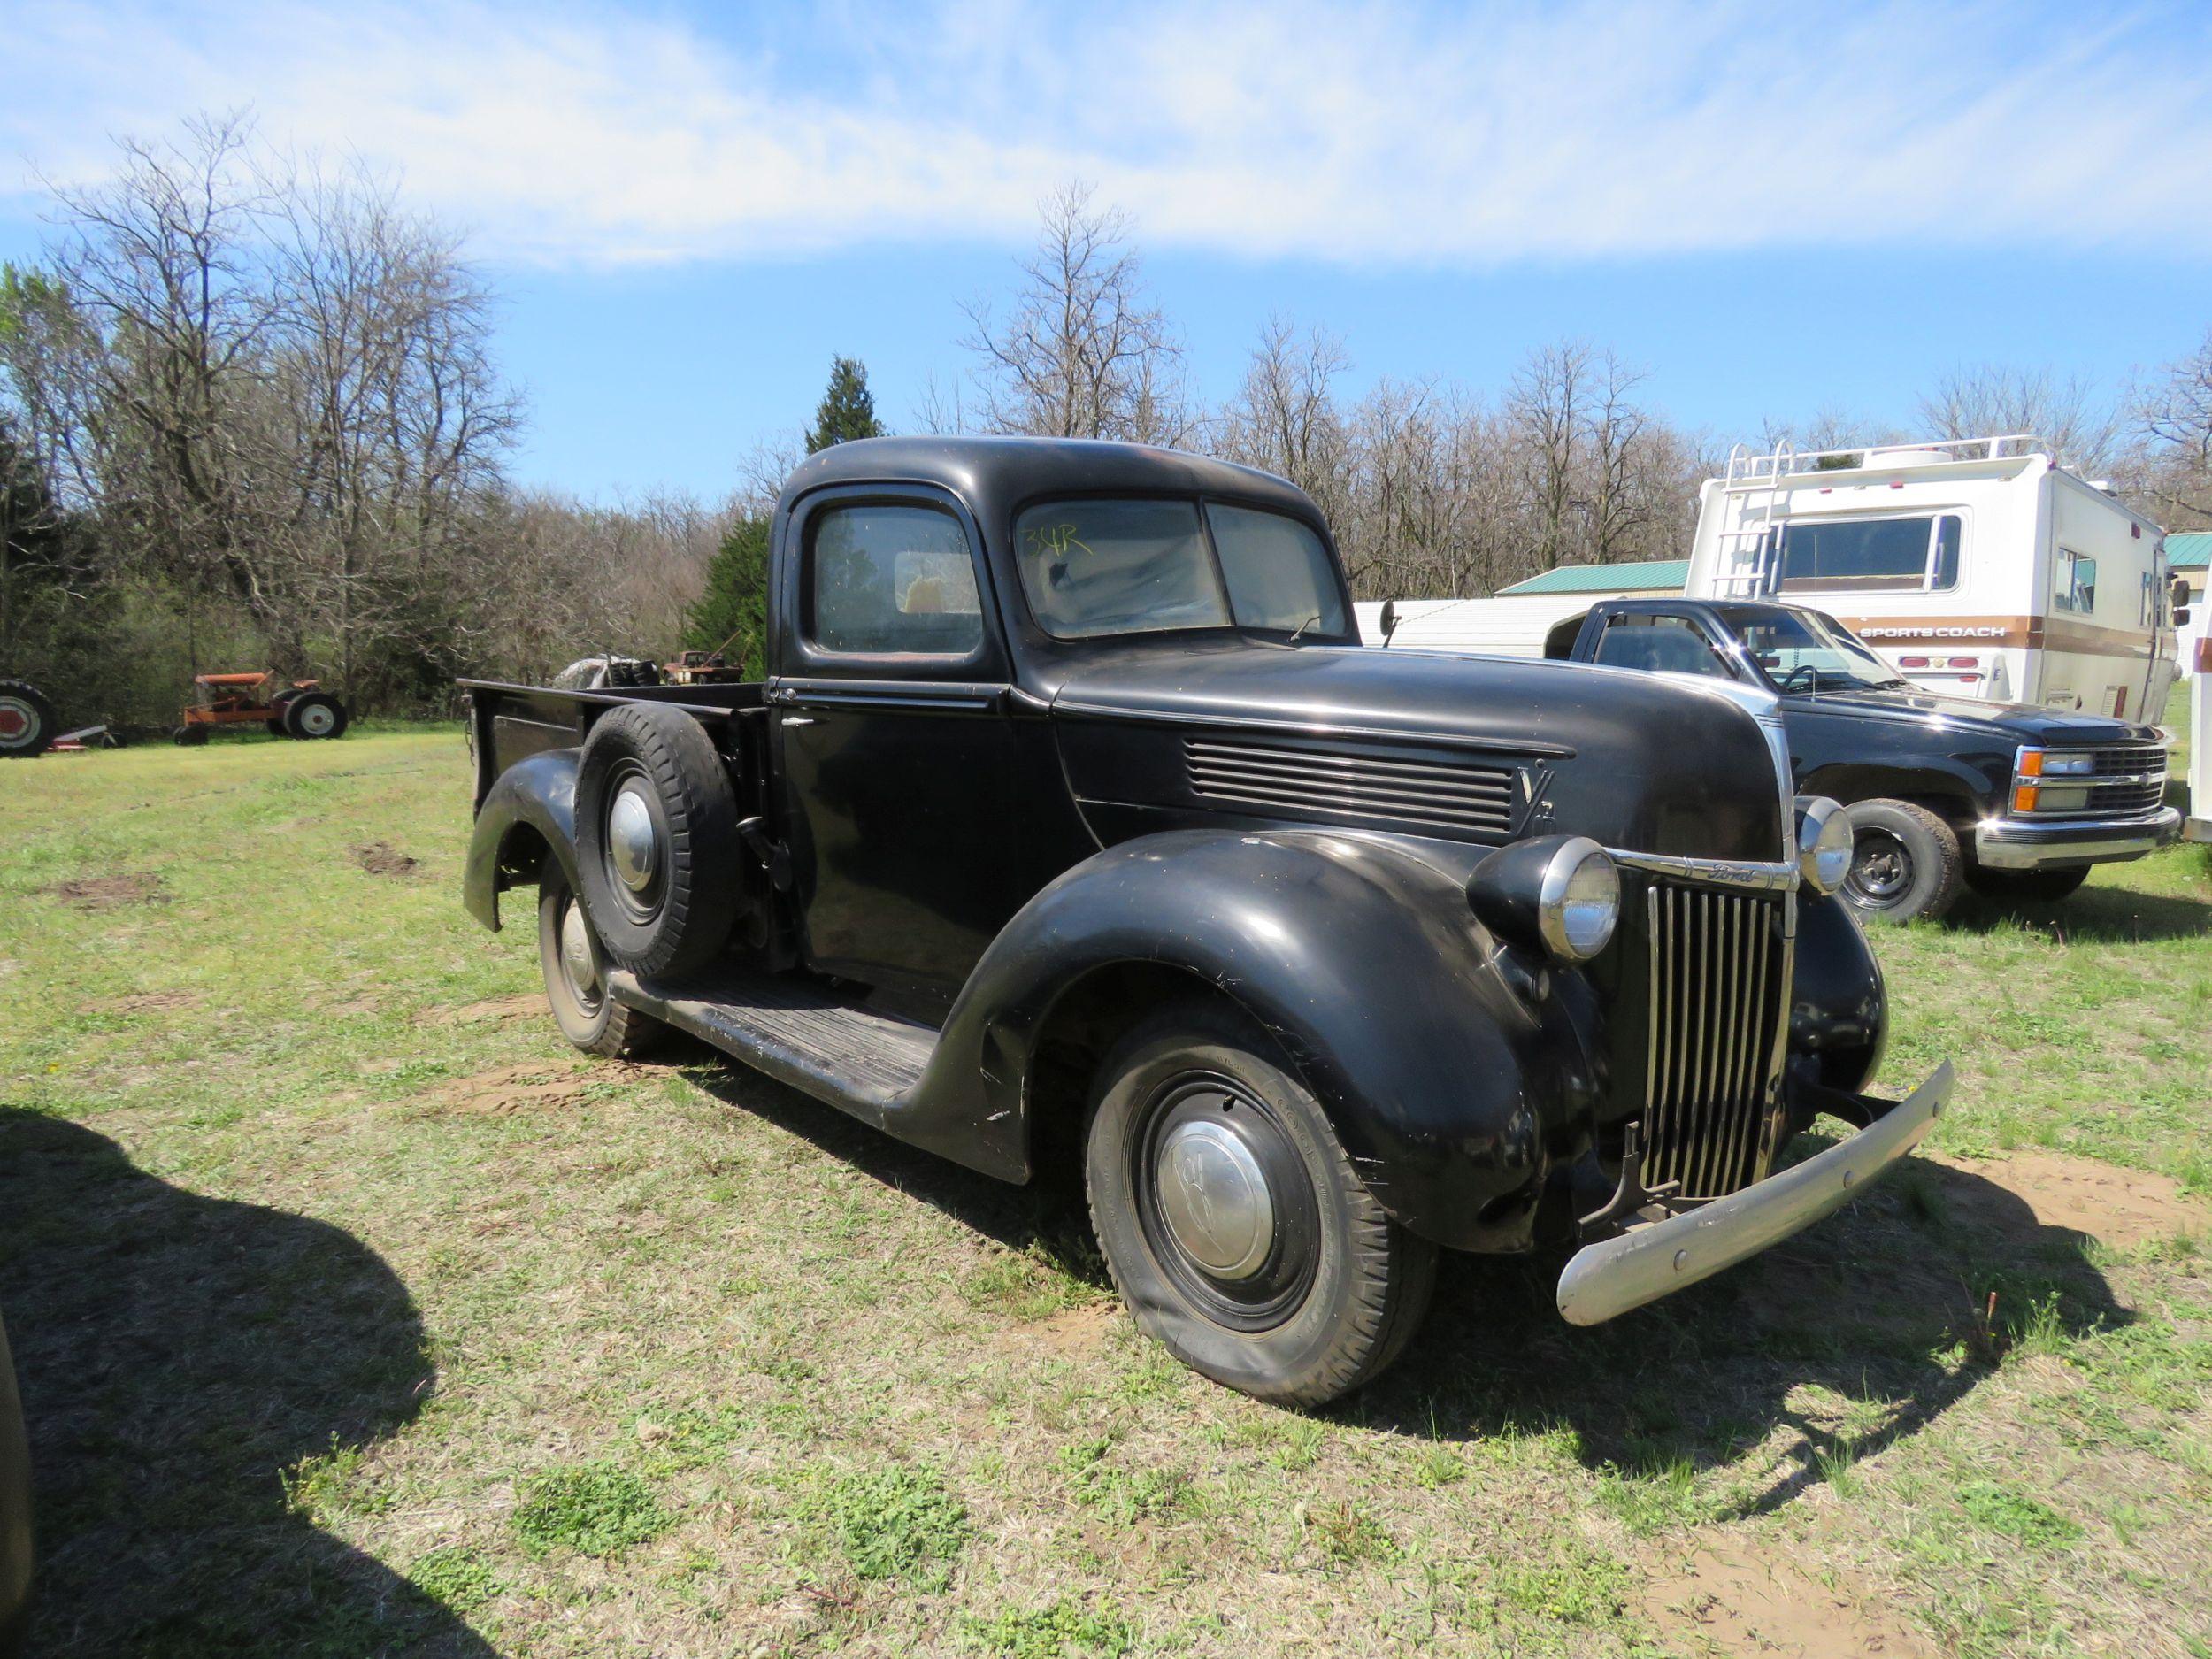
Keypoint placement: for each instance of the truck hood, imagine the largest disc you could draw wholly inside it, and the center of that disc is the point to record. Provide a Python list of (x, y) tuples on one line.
[(1351, 735), (2018, 722)]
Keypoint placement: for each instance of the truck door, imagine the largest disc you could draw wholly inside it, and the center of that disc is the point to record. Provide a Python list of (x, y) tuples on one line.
[(893, 750)]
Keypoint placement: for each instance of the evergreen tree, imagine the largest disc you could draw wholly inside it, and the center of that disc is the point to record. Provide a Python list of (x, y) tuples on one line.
[(732, 614), (848, 409)]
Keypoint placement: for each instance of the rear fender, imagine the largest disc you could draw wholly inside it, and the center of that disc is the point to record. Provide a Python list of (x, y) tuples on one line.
[(531, 805), (1452, 1091)]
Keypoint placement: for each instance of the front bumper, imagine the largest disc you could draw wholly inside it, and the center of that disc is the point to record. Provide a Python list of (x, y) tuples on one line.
[(1657, 1258), (2013, 843)]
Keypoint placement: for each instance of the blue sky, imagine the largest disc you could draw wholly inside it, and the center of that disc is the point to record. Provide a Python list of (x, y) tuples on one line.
[(689, 211)]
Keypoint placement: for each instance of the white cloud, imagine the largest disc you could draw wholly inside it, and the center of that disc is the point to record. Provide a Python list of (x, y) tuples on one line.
[(1375, 134)]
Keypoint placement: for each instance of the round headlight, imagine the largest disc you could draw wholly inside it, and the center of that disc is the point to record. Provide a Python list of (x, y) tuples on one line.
[(1580, 901), (1824, 842)]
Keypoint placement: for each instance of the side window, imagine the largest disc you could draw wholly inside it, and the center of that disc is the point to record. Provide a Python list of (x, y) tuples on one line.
[(885, 579), (1669, 645), (2074, 582)]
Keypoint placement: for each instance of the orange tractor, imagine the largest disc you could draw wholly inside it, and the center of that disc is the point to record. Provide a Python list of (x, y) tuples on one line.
[(297, 709)]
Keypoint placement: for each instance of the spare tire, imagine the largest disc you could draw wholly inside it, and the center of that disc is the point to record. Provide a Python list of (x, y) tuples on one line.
[(26, 720), (658, 857)]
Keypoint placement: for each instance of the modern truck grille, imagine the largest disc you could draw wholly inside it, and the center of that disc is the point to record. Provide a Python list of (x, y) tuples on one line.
[(1719, 967), (2123, 781), (1475, 801)]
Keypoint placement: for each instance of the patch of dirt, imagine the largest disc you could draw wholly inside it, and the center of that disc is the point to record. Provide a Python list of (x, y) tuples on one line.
[(153, 1002), (107, 892), (381, 858), (1736, 1603), (1074, 1329), (523, 1005), (506, 1091), (2121, 1207)]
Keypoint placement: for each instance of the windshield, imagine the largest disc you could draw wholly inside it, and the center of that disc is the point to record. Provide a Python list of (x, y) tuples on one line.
[(1802, 650), (1099, 567)]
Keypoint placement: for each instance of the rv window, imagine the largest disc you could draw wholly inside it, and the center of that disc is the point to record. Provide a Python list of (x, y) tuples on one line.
[(1858, 555), (2074, 587)]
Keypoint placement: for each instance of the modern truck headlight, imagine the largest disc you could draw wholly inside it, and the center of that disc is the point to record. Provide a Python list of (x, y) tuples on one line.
[(1559, 894), (1824, 842)]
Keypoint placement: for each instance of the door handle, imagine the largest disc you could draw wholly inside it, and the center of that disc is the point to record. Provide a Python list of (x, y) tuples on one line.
[(798, 720)]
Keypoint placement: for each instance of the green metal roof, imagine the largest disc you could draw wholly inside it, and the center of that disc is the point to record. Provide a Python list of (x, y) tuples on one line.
[(1642, 576), (2188, 550)]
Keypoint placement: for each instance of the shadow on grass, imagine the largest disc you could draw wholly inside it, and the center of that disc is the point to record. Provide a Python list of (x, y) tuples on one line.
[(1884, 1309), (177, 1352), (2094, 915)]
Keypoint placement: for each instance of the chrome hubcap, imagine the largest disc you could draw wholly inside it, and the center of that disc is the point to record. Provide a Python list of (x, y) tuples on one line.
[(579, 961), (633, 848), (1214, 1199)]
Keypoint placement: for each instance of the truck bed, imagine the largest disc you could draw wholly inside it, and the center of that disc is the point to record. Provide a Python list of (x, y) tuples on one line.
[(508, 723)]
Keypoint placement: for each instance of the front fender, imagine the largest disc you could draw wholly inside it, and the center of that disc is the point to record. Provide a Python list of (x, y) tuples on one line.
[(1452, 1091), (537, 793), (1839, 1007)]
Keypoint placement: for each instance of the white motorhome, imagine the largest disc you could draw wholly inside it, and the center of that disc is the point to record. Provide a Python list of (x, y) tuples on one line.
[(1979, 567)]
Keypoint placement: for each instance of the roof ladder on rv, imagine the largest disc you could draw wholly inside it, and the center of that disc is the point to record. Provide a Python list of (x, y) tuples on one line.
[(1747, 554)]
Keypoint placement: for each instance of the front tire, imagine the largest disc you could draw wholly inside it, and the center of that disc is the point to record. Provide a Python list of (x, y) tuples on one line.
[(2026, 886), (574, 967), (1234, 1226), (1905, 862)]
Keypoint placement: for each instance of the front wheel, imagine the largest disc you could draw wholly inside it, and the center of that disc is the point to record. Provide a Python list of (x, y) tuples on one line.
[(2031, 886), (1234, 1226), (575, 977), (1905, 862)]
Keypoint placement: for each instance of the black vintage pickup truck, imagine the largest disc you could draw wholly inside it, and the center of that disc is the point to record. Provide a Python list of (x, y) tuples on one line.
[(1073, 833), (2016, 801)]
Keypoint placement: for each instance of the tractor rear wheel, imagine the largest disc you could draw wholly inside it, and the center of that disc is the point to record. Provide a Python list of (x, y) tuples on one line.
[(26, 720), (314, 714)]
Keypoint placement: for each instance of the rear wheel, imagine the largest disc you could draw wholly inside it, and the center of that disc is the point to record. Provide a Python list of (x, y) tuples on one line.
[(314, 714), (1234, 1226), (1905, 862), (575, 977), (26, 720), (2028, 886), (191, 736)]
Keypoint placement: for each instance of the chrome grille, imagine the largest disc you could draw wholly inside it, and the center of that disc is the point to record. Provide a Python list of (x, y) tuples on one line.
[(1719, 963), (2123, 781), (1472, 800)]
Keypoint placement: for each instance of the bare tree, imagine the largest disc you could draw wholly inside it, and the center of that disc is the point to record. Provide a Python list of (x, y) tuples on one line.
[(1547, 405), (1989, 400), (2170, 463), (1083, 351)]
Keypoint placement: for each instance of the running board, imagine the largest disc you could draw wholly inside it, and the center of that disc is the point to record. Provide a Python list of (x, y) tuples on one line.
[(798, 1033)]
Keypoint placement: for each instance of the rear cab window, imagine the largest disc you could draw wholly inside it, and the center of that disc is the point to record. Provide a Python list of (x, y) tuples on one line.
[(891, 579), (1667, 645)]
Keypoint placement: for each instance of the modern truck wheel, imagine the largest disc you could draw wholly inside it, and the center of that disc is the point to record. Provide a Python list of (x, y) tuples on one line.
[(1905, 862), (1235, 1226), (657, 852)]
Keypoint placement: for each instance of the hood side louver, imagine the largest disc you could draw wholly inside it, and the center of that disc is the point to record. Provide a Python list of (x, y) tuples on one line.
[(1452, 797)]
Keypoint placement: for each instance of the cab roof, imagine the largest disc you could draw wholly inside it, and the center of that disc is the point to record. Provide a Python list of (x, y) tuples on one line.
[(996, 476)]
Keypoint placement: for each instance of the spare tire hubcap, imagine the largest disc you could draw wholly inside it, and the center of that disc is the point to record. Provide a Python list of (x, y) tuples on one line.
[(631, 846)]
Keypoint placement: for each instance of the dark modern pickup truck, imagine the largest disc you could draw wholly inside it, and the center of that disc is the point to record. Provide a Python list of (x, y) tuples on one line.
[(2016, 801), (1073, 833)]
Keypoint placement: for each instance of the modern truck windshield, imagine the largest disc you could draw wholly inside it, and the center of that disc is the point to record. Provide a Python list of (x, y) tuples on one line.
[(1134, 566), (1802, 650)]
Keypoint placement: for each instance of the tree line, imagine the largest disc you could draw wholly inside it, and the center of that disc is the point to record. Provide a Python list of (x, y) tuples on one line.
[(250, 416)]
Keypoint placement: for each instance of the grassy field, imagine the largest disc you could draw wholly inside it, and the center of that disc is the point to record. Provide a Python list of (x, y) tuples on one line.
[(357, 1314)]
